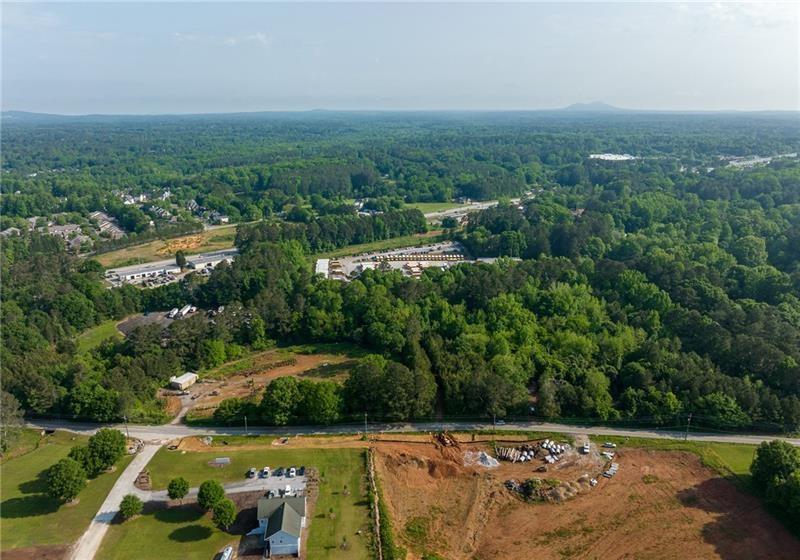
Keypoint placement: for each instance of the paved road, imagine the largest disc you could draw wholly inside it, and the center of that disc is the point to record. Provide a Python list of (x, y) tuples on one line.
[(168, 432), (89, 543)]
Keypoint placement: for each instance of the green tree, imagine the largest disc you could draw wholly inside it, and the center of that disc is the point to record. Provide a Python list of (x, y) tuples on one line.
[(107, 446), (130, 506), (224, 513), (180, 259), (280, 401), (177, 488), (213, 352), (774, 460), (65, 480), (209, 494), (320, 402), (10, 420)]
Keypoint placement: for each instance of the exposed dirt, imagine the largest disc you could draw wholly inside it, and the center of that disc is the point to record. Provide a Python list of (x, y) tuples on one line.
[(659, 505), (253, 380), (186, 244), (51, 552)]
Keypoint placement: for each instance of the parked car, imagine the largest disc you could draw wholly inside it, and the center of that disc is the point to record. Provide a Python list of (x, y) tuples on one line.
[(251, 473), (265, 472), (301, 471), (227, 553), (609, 445), (501, 422), (278, 471), (292, 472)]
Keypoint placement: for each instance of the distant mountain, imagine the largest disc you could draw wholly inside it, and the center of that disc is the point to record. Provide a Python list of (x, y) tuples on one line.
[(593, 107)]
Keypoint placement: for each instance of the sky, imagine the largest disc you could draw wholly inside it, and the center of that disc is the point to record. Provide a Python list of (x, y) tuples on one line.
[(151, 58)]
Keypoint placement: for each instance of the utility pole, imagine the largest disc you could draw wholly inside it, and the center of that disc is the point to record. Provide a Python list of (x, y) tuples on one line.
[(688, 423), (126, 426), (365, 425), (245, 426)]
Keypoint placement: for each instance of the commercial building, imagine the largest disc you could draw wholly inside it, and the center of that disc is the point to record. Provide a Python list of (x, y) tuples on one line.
[(211, 260), (140, 272)]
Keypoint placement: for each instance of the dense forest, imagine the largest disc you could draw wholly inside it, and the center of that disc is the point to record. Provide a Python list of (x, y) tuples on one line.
[(639, 290)]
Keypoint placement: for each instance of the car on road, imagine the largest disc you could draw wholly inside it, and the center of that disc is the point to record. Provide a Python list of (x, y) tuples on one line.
[(265, 472), (292, 472), (501, 422), (278, 471), (251, 472)]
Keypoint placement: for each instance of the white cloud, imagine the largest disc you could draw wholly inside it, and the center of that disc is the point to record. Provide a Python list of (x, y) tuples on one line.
[(261, 39), (27, 17), (749, 14)]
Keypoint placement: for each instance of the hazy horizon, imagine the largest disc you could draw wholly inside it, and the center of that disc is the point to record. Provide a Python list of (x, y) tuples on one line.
[(182, 58)]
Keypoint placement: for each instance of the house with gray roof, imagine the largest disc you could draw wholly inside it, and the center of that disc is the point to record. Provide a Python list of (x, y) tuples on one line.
[(280, 523)]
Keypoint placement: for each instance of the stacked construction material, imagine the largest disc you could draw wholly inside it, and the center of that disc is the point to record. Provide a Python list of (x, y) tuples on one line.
[(612, 470)]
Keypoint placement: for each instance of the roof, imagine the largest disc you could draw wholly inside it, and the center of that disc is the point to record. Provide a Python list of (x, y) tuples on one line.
[(266, 506), (188, 376), (285, 519)]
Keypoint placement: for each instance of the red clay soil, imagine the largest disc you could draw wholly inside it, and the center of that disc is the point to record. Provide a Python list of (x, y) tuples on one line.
[(661, 505)]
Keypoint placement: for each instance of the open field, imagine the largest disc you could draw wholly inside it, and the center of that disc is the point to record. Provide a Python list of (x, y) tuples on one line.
[(163, 535), (426, 207), (201, 242), (29, 518), (382, 245), (661, 504), (91, 338)]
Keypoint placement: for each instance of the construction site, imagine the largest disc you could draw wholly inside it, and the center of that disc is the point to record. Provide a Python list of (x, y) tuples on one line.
[(556, 498)]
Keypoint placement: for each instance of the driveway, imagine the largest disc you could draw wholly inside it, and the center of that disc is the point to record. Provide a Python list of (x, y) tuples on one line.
[(245, 485), (86, 548)]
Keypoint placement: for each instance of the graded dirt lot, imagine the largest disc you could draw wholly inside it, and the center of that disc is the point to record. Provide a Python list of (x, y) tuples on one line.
[(660, 505), (257, 371)]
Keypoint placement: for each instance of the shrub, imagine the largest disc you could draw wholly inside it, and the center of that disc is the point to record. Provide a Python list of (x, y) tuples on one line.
[(224, 513), (131, 505), (178, 488)]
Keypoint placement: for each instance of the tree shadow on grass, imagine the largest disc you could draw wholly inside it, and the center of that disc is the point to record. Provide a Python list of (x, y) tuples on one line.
[(29, 506), (742, 529), (180, 514), (36, 485), (191, 533)]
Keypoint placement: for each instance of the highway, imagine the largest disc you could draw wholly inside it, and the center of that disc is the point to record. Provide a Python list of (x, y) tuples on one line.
[(160, 434)]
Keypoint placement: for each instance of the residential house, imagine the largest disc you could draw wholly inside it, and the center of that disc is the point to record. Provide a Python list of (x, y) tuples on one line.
[(280, 522)]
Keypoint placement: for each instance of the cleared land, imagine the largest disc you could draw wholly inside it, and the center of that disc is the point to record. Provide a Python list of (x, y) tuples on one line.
[(426, 207), (202, 242), (91, 339), (186, 533), (33, 525), (661, 504), (247, 376)]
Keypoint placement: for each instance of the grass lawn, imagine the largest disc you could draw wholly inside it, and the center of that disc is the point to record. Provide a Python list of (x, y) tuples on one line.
[(201, 242), (91, 339), (383, 245), (426, 207), (336, 468), (179, 533), (27, 516)]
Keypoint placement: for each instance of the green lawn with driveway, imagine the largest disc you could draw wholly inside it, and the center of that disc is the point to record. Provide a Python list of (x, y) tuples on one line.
[(28, 516)]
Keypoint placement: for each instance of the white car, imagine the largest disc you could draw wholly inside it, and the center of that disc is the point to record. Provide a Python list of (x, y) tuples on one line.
[(609, 445), (227, 553), (292, 472)]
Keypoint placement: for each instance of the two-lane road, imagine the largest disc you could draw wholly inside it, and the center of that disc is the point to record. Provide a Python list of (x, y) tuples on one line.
[(173, 431)]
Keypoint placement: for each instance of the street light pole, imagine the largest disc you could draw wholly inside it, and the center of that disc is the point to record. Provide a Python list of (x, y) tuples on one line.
[(126, 426), (245, 426), (365, 425)]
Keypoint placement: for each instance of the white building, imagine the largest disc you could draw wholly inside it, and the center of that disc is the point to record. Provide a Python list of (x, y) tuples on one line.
[(183, 382)]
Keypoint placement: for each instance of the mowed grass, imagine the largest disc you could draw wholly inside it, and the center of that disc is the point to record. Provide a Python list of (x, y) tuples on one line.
[(174, 533), (92, 338), (28, 516), (383, 245), (336, 468), (201, 242)]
